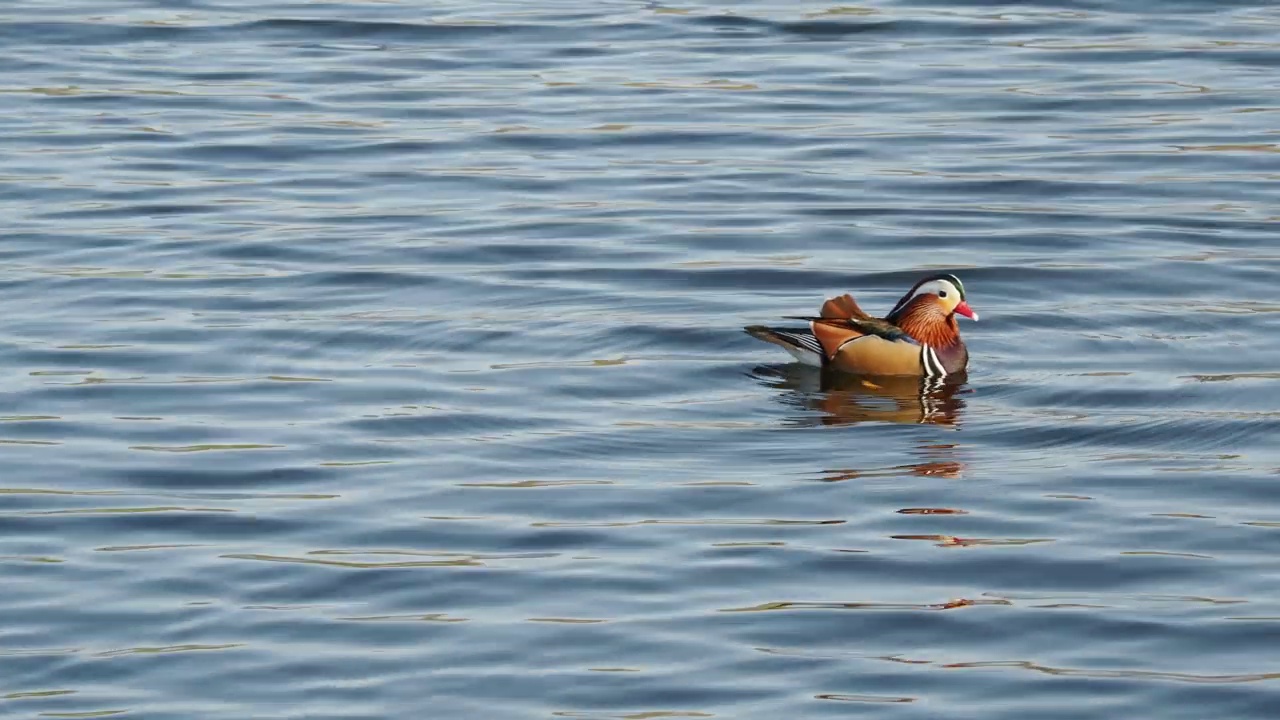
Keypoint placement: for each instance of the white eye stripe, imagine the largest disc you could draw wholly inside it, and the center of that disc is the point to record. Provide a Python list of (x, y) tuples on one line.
[(939, 287)]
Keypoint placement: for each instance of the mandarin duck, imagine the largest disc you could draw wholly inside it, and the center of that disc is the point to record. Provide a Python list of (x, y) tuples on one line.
[(918, 337)]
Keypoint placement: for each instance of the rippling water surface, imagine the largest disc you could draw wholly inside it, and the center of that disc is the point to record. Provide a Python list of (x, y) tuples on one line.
[(384, 359)]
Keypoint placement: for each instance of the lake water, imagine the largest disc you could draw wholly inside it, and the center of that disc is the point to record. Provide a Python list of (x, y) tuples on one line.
[(384, 360)]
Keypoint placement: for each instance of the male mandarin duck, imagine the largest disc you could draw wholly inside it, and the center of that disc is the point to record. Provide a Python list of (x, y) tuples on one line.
[(918, 337)]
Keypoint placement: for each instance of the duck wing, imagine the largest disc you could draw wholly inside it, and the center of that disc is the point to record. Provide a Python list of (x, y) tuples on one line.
[(852, 328), (843, 306)]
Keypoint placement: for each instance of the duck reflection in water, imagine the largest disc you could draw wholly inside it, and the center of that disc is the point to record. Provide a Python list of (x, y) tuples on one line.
[(835, 398)]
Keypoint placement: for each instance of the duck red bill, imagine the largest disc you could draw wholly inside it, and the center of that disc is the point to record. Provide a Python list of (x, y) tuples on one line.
[(964, 309)]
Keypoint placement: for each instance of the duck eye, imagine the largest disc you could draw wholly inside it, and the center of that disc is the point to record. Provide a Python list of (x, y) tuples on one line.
[(942, 293)]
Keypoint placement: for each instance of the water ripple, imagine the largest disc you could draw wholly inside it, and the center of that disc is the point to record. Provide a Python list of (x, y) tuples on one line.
[(363, 361)]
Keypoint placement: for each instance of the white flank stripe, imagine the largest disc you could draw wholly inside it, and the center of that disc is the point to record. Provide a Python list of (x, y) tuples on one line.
[(932, 365), (942, 372)]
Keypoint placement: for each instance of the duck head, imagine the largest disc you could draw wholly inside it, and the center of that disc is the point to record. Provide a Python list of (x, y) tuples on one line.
[(928, 311)]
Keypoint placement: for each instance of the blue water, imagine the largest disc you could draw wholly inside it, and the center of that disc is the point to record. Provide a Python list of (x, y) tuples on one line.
[(384, 359)]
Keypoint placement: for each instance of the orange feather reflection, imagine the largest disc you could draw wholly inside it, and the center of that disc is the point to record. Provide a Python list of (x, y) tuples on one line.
[(832, 398)]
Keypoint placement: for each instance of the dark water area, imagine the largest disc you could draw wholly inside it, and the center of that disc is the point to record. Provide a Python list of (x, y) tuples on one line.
[(384, 359)]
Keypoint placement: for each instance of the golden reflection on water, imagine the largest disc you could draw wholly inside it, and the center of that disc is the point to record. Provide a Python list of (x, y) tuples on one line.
[(953, 541), (832, 398), (936, 460), (950, 469), (836, 399), (867, 605)]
